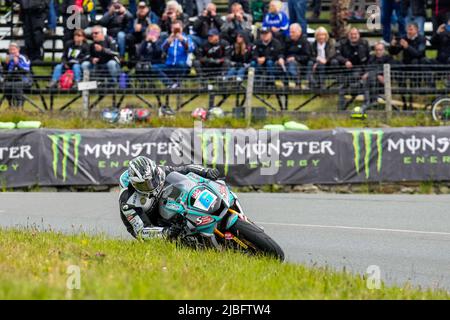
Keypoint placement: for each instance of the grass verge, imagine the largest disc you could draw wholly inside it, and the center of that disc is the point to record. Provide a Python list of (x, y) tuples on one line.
[(34, 265)]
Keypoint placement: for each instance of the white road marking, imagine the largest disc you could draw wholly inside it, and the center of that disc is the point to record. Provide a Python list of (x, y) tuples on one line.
[(354, 228)]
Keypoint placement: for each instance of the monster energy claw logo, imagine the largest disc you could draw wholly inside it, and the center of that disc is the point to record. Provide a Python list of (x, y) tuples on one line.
[(368, 147), (216, 145), (66, 139)]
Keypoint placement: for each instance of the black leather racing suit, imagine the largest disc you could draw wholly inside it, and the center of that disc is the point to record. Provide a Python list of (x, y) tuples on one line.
[(139, 212)]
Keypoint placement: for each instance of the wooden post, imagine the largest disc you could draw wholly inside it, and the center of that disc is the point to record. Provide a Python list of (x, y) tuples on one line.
[(249, 95), (85, 95), (387, 89)]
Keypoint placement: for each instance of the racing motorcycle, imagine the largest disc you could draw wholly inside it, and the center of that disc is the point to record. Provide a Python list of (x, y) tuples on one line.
[(210, 215)]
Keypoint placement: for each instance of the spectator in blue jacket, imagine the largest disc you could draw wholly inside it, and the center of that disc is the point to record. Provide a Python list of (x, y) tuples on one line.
[(17, 76), (276, 20), (177, 47)]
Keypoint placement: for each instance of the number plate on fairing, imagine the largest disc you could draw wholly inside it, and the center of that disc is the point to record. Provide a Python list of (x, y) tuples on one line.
[(205, 200)]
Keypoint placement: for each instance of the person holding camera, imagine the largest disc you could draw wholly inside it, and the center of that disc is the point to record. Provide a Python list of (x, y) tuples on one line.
[(206, 21), (176, 47), (149, 53), (173, 12), (237, 21), (441, 40), (116, 21), (144, 18), (17, 76)]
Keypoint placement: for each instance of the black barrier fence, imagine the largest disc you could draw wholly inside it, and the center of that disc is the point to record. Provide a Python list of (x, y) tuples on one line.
[(384, 87), (245, 157)]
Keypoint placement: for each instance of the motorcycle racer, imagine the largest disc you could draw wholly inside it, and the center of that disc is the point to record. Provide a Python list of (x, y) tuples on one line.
[(141, 187)]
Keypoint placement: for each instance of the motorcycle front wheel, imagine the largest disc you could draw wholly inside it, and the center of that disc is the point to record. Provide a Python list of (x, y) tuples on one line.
[(256, 239)]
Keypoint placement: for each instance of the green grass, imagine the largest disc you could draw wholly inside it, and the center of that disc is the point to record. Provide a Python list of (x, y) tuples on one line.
[(34, 264)]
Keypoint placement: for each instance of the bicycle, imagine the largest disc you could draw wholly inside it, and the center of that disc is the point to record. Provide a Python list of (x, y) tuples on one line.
[(440, 108)]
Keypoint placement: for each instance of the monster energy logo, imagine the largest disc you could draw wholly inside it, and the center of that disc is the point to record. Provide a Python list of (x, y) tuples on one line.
[(63, 152), (215, 149), (368, 136)]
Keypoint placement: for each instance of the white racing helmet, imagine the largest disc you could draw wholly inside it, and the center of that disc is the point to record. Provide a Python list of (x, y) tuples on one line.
[(145, 176)]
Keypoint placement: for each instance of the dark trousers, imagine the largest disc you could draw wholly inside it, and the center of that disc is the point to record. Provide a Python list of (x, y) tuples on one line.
[(33, 33)]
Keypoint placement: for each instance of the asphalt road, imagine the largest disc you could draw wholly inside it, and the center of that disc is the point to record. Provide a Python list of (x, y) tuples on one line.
[(407, 237)]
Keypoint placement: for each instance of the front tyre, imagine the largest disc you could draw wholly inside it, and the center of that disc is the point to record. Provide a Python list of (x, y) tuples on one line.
[(256, 239)]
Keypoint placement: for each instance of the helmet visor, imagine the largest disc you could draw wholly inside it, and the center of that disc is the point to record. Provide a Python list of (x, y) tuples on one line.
[(149, 185)]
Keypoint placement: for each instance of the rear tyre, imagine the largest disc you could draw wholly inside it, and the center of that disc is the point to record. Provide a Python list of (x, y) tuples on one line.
[(258, 241)]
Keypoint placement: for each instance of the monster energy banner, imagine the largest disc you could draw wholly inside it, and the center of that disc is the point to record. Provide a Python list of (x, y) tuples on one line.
[(244, 157)]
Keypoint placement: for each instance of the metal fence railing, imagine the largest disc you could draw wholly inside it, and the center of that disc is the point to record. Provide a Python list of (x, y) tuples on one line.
[(153, 86)]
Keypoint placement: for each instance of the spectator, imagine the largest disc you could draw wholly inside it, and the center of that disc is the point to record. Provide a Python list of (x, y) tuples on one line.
[(374, 77), (388, 7), (17, 76), (276, 20), (244, 4), (415, 11), (177, 48), (298, 54), (144, 18), (75, 53), (412, 46), (353, 53), (173, 12), (208, 20), (103, 54), (439, 11), (214, 56), (33, 14), (116, 21), (323, 55), (441, 40), (150, 53), (240, 57), (268, 57), (236, 21), (297, 12)]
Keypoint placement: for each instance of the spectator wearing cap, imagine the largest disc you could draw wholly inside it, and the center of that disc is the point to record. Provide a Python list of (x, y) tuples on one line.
[(103, 55), (214, 56), (240, 57), (206, 21), (144, 18), (276, 20), (236, 21), (116, 21), (17, 76), (75, 53), (172, 13), (323, 56), (298, 53), (176, 47), (268, 57)]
